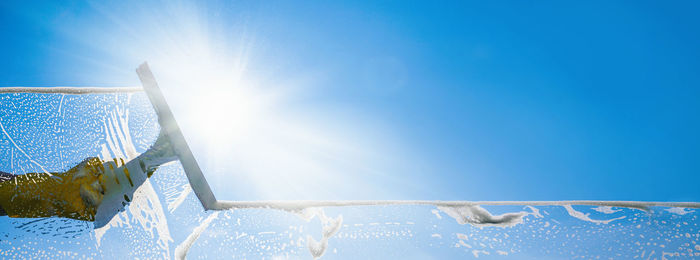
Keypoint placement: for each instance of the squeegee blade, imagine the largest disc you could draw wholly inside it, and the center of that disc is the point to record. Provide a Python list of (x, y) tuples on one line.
[(172, 131)]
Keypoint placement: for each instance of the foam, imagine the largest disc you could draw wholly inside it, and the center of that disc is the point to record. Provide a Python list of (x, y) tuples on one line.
[(436, 213), (296, 205), (22, 150), (69, 90), (145, 209), (464, 212), (182, 249), (606, 209), (477, 252), (480, 217), (679, 211), (187, 189), (330, 227), (584, 216), (462, 236)]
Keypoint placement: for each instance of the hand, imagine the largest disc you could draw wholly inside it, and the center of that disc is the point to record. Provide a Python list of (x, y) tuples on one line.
[(82, 189), (76, 193)]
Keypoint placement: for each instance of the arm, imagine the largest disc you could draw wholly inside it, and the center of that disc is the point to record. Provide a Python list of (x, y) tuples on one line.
[(5, 176), (75, 193), (79, 192)]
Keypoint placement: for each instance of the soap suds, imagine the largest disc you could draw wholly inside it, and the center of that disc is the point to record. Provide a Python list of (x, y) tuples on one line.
[(679, 211), (317, 248), (436, 213), (302, 204), (584, 216), (535, 212), (21, 150), (464, 244), (69, 90), (463, 211), (606, 209), (480, 217), (330, 227), (186, 190), (145, 208), (462, 236), (477, 252), (182, 249)]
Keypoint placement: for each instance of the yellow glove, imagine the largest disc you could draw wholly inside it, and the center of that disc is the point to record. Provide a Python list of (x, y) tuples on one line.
[(80, 191), (74, 194)]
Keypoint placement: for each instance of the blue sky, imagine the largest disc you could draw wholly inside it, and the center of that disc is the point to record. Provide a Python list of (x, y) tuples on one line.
[(465, 101)]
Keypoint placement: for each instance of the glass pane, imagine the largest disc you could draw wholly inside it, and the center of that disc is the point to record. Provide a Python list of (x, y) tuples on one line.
[(165, 220)]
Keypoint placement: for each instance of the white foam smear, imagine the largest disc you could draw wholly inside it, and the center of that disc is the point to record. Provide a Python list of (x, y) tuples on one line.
[(145, 210), (180, 197), (477, 252), (606, 209), (330, 227), (436, 213), (461, 236), (584, 216), (480, 217), (182, 249), (679, 211), (69, 90)]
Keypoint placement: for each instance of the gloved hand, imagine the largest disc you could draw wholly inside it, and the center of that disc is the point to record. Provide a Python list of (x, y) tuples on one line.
[(79, 192), (76, 193)]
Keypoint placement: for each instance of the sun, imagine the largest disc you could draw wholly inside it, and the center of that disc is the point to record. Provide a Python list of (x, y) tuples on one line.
[(226, 113)]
